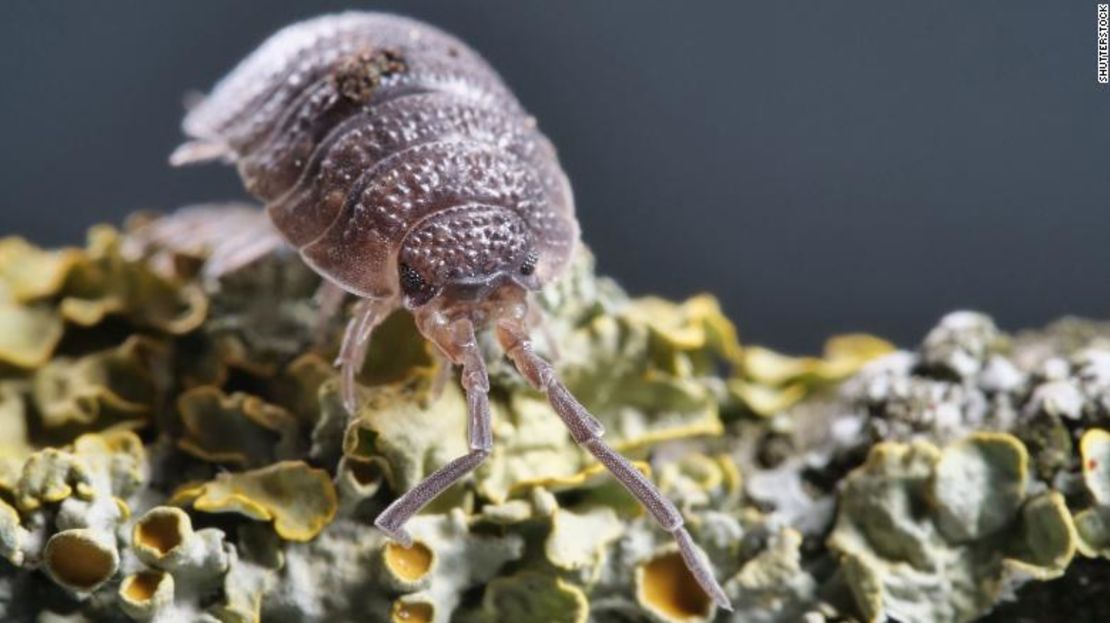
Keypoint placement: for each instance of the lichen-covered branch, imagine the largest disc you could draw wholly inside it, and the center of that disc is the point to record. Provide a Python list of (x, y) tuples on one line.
[(173, 448)]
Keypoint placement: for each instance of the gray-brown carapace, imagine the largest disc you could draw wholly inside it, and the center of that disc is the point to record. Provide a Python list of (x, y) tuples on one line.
[(400, 166)]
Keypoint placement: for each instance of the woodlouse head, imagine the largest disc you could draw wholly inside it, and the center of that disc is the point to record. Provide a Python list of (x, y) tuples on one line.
[(465, 254)]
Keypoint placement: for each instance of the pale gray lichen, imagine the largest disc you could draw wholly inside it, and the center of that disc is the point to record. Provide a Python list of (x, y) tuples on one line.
[(926, 535)]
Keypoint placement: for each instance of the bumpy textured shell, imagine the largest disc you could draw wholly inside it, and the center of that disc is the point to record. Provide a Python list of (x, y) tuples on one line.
[(355, 127)]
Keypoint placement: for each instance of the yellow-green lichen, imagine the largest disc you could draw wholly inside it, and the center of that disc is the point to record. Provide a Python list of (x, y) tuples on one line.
[(532, 596), (410, 436), (117, 459), (29, 273), (239, 429), (298, 499), (28, 334), (578, 540), (15, 440), (698, 480), (533, 449), (105, 283), (771, 382), (49, 476), (107, 387), (630, 371)]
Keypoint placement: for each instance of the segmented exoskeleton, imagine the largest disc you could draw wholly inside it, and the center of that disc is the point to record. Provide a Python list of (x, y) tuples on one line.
[(398, 164)]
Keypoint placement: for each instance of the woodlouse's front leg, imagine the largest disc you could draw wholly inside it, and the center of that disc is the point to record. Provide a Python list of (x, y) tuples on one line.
[(587, 431), (459, 344), (329, 301), (369, 313), (443, 375)]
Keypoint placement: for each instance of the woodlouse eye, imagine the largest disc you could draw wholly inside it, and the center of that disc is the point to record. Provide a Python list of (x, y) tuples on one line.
[(411, 282), (529, 265)]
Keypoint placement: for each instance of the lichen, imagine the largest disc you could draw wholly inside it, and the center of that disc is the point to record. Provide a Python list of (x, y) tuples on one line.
[(142, 595), (531, 596), (667, 590), (298, 499), (164, 539), (1093, 523), (117, 385), (772, 381), (80, 559), (239, 429), (175, 449), (774, 586), (409, 564), (940, 535), (31, 333)]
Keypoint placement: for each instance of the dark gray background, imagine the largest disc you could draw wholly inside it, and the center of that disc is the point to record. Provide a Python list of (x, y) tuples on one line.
[(820, 166)]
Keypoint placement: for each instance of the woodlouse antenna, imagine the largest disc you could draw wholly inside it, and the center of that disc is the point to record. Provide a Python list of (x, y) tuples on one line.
[(457, 341), (586, 431)]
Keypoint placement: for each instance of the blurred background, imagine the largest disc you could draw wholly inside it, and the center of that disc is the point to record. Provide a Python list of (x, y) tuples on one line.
[(819, 168)]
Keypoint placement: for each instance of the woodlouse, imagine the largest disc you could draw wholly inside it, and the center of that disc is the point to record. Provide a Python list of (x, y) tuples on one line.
[(399, 165)]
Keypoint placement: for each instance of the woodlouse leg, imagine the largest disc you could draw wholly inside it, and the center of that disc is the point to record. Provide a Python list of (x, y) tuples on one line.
[(535, 319), (329, 300), (242, 248), (194, 152), (369, 313), (462, 347), (230, 235), (443, 375), (587, 431)]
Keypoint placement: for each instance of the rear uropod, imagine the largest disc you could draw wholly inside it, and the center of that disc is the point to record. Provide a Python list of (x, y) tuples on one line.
[(403, 170)]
